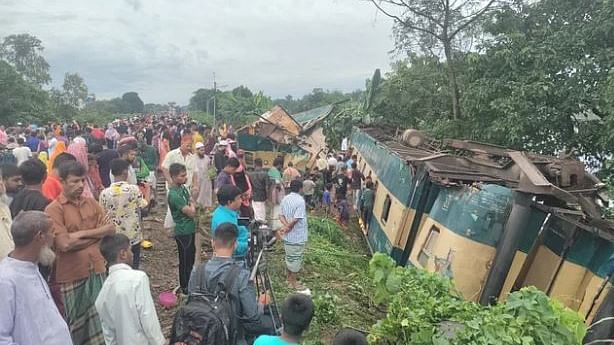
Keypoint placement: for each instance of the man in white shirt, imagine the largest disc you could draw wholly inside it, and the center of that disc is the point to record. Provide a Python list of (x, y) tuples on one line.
[(22, 153), (124, 304), (28, 314)]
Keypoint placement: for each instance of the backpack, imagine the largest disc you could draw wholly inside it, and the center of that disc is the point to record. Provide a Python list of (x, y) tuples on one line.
[(207, 318)]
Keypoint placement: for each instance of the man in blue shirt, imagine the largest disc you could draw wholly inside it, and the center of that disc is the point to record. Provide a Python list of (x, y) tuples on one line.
[(32, 142), (229, 197)]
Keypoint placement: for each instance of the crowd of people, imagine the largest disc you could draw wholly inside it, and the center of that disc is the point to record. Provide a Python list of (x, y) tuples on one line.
[(72, 202)]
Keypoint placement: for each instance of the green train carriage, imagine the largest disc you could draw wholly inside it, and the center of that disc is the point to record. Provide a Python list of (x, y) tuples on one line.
[(454, 223)]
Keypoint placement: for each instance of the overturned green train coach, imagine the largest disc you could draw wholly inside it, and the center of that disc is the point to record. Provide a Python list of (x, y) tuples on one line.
[(491, 218)]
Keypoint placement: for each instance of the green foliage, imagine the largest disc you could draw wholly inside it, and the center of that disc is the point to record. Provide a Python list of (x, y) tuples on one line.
[(202, 117), (132, 103), (19, 99), (414, 95), (75, 90), (156, 108), (24, 53), (112, 106), (326, 228), (536, 82), (335, 270), (238, 107), (316, 98), (326, 309), (420, 302)]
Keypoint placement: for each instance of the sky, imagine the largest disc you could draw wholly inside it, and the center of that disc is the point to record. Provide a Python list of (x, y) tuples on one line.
[(167, 49)]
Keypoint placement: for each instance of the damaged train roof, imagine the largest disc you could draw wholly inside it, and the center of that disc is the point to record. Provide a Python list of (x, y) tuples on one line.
[(560, 184)]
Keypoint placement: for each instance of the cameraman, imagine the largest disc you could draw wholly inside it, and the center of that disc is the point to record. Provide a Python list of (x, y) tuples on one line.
[(229, 198)]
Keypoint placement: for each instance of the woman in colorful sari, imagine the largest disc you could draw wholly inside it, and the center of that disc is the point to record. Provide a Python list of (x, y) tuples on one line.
[(59, 147), (79, 150)]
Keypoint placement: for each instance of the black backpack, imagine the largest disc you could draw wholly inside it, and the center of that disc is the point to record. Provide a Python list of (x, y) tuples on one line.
[(207, 318)]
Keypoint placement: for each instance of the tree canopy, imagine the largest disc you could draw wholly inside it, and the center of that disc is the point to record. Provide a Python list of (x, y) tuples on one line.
[(537, 81), (132, 103), (24, 53)]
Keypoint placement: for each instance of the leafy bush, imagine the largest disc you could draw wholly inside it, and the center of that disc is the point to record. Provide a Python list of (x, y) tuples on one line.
[(326, 309), (328, 229), (419, 302)]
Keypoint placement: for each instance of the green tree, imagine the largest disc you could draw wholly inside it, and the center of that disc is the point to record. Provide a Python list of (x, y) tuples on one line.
[(112, 106), (19, 99), (156, 108), (237, 107), (544, 70), (202, 100), (414, 94), (132, 103), (24, 53), (432, 25), (74, 89)]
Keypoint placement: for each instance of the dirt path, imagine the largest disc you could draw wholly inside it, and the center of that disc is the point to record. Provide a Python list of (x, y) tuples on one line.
[(161, 261)]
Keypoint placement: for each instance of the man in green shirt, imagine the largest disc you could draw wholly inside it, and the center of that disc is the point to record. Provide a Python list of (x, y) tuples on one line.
[(183, 211)]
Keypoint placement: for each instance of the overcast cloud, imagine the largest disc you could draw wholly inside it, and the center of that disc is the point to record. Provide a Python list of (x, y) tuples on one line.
[(166, 49)]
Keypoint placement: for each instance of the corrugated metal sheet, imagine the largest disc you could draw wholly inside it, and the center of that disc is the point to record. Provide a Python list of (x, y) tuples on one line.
[(309, 118)]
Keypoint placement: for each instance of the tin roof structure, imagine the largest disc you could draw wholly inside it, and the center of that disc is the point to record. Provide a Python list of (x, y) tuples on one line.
[(308, 119)]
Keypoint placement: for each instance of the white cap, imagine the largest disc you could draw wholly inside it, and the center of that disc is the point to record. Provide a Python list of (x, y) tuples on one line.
[(223, 142), (199, 145)]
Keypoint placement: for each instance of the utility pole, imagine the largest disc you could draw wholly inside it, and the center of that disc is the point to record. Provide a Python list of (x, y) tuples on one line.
[(214, 94)]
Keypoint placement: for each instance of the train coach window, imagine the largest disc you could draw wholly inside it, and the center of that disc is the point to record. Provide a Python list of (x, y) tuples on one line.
[(427, 249), (386, 210), (249, 159)]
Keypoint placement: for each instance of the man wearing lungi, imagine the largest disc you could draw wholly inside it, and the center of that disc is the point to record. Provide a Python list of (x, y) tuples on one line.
[(78, 225)]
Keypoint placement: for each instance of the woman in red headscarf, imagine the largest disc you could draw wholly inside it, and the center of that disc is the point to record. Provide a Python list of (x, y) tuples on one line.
[(79, 150)]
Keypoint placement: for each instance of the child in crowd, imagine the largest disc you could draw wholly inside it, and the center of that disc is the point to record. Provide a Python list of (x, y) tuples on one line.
[(349, 337), (326, 198), (124, 304), (183, 211), (296, 314)]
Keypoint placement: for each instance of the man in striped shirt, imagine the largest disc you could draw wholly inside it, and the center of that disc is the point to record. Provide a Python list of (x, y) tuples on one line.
[(293, 217)]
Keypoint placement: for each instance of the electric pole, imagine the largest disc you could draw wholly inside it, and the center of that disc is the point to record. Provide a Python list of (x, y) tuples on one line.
[(214, 94)]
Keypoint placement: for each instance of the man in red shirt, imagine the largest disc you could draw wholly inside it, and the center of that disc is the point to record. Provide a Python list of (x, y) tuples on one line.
[(97, 133), (52, 187)]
